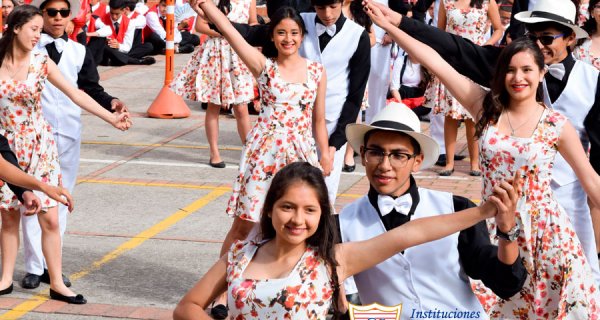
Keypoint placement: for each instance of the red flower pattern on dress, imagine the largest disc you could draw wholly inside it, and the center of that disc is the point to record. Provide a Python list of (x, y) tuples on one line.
[(281, 135), (215, 73), (584, 53), (29, 135), (292, 297), (556, 287), (470, 23)]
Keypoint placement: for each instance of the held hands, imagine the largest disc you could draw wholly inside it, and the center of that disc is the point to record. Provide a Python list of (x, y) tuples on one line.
[(121, 120), (326, 164), (32, 203), (504, 198), (381, 15)]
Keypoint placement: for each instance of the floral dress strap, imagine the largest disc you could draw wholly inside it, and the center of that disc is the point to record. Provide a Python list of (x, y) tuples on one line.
[(239, 256), (315, 70), (556, 122)]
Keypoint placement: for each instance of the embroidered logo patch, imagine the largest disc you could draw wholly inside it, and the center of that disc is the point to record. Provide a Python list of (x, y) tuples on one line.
[(375, 311)]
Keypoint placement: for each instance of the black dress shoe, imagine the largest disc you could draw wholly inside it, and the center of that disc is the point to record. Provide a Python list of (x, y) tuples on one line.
[(348, 168), (147, 60), (30, 281), (219, 312), (78, 299), (45, 278), (7, 290), (219, 165)]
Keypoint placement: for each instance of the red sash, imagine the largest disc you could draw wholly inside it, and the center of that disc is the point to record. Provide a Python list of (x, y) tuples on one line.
[(147, 32), (101, 10), (122, 27)]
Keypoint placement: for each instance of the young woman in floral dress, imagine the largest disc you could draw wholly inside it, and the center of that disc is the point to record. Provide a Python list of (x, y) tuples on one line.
[(216, 75), (589, 50), (469, 19), (519, 133), (23, 75), (292, 91), (294, 272)]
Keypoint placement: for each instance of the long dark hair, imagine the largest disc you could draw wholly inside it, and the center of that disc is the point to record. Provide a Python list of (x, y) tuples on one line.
[(498, 98), (476, 4), (16, 19), (326, 236), (590, 24), (360, 16), (279, 15), (224, 6)]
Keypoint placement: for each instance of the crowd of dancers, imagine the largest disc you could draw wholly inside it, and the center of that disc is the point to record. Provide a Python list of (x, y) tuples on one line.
[(524, 84)]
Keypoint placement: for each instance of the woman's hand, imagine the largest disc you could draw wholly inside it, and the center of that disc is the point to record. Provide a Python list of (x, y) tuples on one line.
[(59, 194), (121, 121), (381, 15), (326, 164)]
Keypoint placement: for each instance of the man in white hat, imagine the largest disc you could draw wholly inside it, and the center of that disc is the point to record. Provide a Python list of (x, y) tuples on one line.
[(76, 64), (431, 277), (570, 86)]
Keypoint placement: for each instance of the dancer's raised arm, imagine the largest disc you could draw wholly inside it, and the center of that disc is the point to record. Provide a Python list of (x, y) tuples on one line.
[(355, 257), (254, 60), (469, 94)]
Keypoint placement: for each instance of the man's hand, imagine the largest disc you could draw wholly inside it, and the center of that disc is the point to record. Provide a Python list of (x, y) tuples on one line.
[(113, 43), (32, 203), (386, 40), (70, 27), (118, 106), (509, 194)]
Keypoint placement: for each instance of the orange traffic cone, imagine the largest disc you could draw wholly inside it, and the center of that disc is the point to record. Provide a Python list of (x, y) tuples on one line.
[(168, 105)]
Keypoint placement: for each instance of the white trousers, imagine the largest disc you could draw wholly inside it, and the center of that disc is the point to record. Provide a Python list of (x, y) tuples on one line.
[(574, 200), (68, 155), (333, 180), (379, 80), (436, 129)]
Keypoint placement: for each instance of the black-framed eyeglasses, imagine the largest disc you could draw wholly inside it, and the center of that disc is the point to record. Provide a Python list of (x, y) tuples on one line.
[(53, 12), (397, 159), (544, 39)]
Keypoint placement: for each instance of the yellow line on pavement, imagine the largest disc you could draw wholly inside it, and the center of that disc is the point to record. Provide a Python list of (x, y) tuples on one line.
[(161, 145), (154, 184), (27, 306)]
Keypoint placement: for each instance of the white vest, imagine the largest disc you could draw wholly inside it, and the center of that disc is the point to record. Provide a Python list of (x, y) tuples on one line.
[(63, 115), (575, 103), (425, 277), (335, 58)]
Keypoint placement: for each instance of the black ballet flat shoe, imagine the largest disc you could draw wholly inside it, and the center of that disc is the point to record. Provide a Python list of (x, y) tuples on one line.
[(77, 299), (45, 278), (7, 290), (219, 312), (475, 173), (446, 173), (219, 165), (348, 168)]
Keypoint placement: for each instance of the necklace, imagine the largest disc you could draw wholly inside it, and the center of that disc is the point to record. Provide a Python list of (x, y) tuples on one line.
[(13, 73), (512, 129)]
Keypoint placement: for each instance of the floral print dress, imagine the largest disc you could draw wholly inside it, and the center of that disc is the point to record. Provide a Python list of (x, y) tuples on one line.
[(28, 133), (304, 294), (281, 135), (584, 53), (557, 285), (215, 73), (470, 23)]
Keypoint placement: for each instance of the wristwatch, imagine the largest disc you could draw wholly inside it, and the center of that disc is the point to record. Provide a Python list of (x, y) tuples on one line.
[(511, 235)]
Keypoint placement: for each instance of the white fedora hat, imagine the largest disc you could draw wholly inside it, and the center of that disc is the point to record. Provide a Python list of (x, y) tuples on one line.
[(396, 117), (74, 5), (559, 11)]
